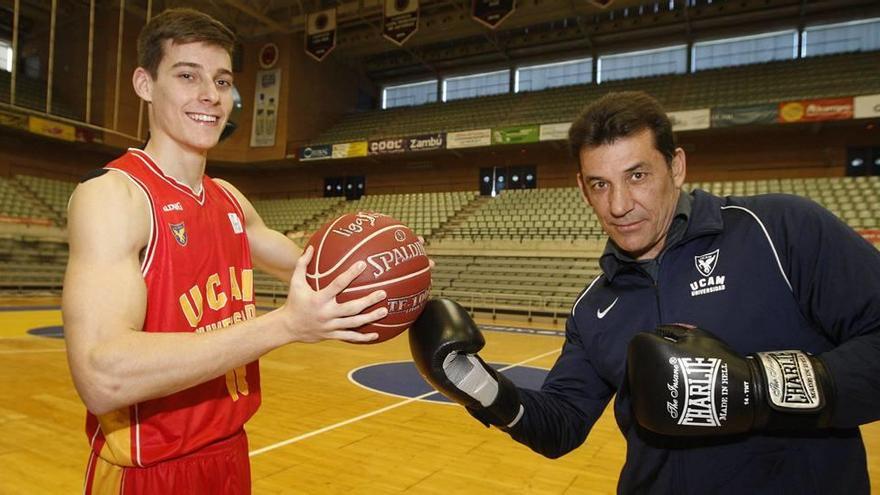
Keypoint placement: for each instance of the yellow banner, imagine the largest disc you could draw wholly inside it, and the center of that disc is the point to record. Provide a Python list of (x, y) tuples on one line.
[(349, 150), (13, 120), (53, 129)]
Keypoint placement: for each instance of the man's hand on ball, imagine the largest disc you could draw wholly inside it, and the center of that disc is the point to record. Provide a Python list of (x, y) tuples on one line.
[(314, 315)]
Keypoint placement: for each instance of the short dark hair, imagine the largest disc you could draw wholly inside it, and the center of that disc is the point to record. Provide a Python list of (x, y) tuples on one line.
[(180, 26), (618, 115)]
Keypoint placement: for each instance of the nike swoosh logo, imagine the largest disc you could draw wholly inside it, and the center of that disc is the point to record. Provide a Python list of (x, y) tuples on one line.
[(600, 313)]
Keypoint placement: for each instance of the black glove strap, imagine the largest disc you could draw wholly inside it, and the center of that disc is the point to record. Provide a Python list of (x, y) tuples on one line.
[(505, 410)]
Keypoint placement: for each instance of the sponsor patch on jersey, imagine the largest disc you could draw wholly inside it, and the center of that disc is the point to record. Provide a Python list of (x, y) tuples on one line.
[(179, 231), (173, 207), (708, 283), (236, 223)]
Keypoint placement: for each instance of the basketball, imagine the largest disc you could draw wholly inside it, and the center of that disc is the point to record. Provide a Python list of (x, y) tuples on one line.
[(396, 263)]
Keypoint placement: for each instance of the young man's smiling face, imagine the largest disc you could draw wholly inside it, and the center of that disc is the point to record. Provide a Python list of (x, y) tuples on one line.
[(633, 191), (191, 95)]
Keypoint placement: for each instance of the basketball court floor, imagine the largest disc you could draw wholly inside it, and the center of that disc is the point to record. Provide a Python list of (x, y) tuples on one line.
[(336, 418)]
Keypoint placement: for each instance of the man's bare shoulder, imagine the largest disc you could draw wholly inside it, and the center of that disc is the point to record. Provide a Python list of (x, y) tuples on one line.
[(110, 200), (107, 187), (229, 188)]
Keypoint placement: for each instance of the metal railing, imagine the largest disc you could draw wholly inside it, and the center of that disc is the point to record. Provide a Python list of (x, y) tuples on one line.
[(48, 110), (496, 303), (493, 303)]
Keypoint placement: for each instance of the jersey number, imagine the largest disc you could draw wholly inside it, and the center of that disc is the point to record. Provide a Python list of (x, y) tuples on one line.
[(236, 382)]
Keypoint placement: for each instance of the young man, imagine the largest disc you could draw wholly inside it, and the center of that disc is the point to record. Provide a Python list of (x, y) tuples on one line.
[(775, 278), (158, 305)]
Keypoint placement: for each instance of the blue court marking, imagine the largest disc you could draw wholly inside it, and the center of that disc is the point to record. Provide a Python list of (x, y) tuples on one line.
[(53, 332), (402, 379)]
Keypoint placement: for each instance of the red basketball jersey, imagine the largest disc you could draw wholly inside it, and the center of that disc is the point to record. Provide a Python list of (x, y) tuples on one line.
[(197, 269)]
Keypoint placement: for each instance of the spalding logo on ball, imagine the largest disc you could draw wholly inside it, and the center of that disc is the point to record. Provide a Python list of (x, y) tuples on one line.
[(396, 263)]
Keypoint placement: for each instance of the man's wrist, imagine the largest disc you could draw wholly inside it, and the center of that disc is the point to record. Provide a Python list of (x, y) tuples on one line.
[(505, 411), (282, 327)]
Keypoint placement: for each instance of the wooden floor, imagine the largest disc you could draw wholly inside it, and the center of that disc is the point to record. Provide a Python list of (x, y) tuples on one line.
[(317, 432)]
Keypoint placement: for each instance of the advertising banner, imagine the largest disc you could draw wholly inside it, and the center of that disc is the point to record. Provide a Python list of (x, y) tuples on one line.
[(15, 120), (816, 110), (516, 134), (691, 120), (866, 106), (316, 152), (350, 150), (88, 136), (554, 132), (468, 139), (870, 235), (51, 128), (742, 115), (426, 142), (386, 146)]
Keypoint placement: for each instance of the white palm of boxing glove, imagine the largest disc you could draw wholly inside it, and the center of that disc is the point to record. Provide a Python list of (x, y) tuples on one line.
[(469, 375), (444, 342)]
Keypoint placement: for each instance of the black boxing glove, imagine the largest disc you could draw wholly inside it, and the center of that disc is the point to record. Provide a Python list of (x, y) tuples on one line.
[(684, 381), (444, 342)]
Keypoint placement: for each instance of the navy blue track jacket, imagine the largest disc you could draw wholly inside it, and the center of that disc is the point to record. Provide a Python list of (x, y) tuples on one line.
[(762, 273)]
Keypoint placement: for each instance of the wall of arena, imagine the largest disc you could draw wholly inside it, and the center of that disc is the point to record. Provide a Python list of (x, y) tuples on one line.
[(739, 154), (318, 94)]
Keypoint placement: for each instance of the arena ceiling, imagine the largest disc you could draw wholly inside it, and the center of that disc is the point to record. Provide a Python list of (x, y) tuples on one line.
[(449, 39)]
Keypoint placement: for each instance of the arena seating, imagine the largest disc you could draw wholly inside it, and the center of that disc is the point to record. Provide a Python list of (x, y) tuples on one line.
[(553, 214), (771, 82), (471, 113), (532, 276), (289, 214), (17, 201), (29, 263), (853, 199), (424, 213), (54, 194), (523, 253), (514, 284)]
